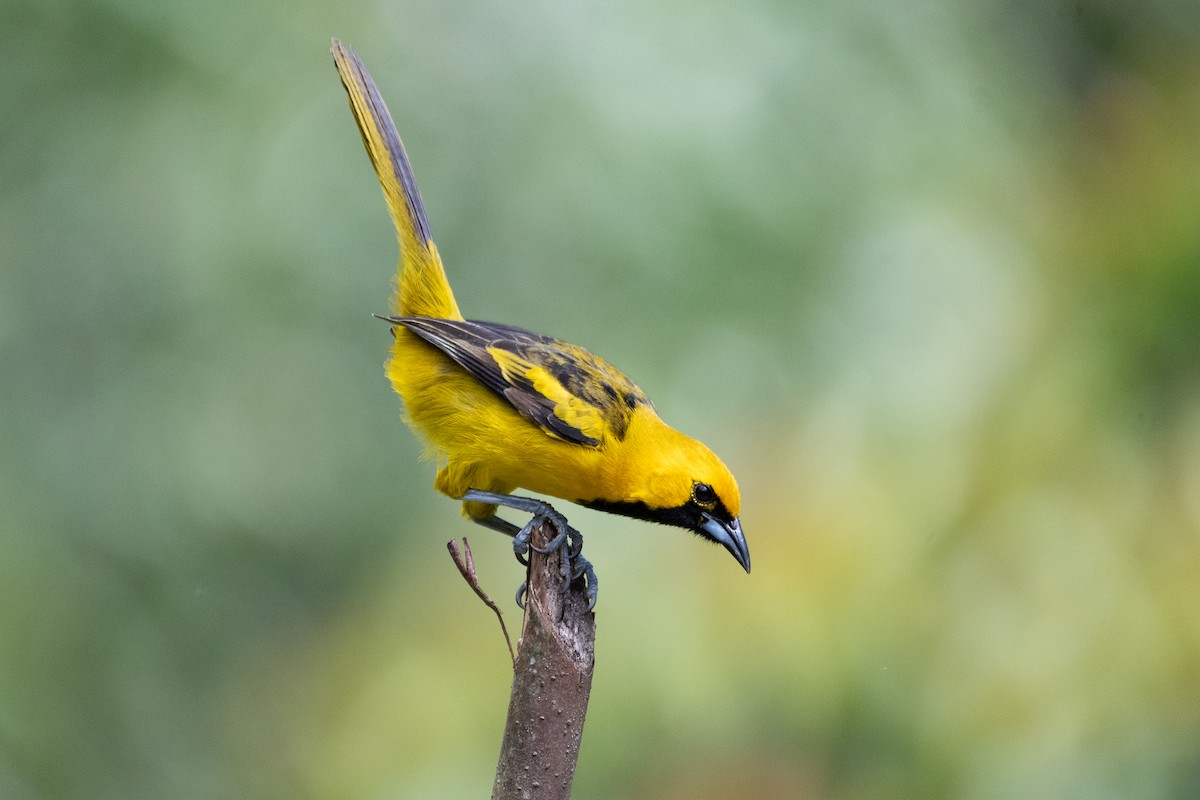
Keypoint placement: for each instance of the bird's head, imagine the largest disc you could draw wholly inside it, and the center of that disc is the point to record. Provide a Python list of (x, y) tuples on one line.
[(698, 492), (676, 480)]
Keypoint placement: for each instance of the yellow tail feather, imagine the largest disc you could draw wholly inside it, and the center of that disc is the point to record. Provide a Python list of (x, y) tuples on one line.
[(422, 289)]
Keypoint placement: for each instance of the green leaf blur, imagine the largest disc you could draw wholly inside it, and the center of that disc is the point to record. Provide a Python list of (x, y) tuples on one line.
[(925, 274)]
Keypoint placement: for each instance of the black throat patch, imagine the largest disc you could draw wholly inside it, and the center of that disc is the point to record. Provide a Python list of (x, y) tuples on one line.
[(690, 515)]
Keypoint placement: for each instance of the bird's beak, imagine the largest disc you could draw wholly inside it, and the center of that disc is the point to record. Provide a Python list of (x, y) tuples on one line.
[(729, 534)]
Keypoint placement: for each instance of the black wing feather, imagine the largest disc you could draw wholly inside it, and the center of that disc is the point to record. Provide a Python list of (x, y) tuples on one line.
[(467, 342)]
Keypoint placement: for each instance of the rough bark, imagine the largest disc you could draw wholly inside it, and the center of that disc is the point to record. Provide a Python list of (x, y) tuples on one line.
[(552, 680)]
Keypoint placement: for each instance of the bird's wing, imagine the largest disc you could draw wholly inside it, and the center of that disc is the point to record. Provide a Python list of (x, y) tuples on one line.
[(569, 392)]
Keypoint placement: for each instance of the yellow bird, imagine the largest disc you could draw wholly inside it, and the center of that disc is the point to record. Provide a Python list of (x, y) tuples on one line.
[(501, 407)]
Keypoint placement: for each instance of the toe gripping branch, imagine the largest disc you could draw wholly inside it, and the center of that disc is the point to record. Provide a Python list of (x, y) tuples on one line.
[(566, 538)]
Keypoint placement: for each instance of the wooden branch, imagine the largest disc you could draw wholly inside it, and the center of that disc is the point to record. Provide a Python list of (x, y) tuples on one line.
[(552, 680)]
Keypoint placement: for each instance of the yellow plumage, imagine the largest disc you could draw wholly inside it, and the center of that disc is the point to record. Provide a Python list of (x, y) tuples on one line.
[(502, 408)]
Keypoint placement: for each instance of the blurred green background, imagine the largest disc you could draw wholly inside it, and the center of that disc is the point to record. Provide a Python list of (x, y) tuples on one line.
[(925, 274)]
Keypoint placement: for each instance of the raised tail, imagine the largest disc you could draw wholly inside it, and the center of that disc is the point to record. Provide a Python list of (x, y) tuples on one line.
[(421, 288)]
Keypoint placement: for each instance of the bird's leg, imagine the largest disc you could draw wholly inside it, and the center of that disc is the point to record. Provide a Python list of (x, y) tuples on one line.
[(521, 536), (566, 538), (508, 529)]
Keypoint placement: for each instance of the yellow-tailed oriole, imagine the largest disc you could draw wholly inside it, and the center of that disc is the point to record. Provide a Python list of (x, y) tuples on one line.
[(501, 407)]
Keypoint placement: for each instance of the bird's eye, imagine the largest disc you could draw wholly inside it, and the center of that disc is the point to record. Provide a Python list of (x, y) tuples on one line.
[(703, 494)]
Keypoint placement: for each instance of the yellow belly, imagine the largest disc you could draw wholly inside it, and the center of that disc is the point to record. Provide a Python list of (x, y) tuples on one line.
[(482, 440)]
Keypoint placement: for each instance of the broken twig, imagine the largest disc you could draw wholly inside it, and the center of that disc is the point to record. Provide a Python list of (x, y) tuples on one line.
[(466, 565)]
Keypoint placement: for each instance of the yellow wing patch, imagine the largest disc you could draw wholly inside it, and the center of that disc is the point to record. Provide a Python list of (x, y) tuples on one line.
[(572, 410)]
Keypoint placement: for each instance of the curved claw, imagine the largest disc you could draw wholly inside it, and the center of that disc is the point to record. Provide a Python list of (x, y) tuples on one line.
[(522, 543), (521, 595), (583, 569), (576, 544), (555, 543), (521, 548)]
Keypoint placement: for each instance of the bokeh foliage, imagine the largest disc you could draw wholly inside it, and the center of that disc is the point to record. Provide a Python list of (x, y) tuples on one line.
[(926, 274)]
